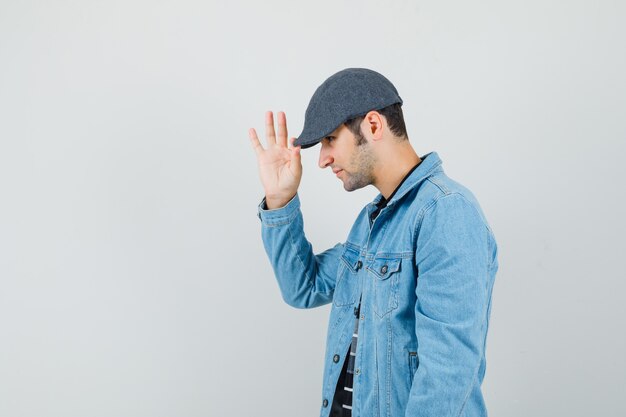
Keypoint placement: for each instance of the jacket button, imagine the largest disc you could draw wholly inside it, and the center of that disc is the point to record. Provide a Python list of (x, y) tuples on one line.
[(383, 270), (336, 358), (359, 264), (325, 402), (357, 371)]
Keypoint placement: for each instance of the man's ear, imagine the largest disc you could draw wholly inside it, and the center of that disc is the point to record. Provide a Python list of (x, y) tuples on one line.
[(374, 124)]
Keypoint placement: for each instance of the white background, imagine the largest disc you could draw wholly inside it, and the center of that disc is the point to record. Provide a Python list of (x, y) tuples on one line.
[(133, 280)]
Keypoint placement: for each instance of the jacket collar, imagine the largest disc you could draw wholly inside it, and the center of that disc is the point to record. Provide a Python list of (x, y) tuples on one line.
[(430, 164)]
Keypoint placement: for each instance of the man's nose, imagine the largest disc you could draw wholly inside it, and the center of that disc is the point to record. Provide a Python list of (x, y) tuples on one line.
[(325, 157)]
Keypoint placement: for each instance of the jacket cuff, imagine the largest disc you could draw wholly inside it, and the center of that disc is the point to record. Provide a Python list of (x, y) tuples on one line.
[(282, 215)]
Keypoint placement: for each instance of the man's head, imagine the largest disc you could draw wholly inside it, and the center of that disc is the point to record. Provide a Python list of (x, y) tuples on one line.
[(356, 114)]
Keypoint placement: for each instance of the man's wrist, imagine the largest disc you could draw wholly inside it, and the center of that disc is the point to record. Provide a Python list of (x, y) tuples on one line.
[(277, 216), (272, 204)]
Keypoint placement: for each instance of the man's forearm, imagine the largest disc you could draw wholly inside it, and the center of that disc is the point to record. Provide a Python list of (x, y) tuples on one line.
[(306, 280)]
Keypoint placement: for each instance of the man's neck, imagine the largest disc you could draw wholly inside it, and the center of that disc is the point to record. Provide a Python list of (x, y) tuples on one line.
[(392, 173)]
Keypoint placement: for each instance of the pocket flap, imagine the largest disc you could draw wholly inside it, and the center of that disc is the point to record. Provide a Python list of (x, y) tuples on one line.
[(384, 267), (351, 258)]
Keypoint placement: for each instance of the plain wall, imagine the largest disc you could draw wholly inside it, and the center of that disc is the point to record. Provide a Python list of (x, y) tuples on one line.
[(133, 280)]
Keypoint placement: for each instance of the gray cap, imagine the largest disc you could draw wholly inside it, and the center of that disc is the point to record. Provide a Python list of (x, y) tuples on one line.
[(350, 93)]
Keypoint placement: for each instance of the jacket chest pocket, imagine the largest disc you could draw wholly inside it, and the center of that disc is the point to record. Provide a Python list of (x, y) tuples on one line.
[(346, 284), (385, 272)]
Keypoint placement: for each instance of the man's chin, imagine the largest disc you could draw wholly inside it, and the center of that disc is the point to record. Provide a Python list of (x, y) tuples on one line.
[(352, 187)]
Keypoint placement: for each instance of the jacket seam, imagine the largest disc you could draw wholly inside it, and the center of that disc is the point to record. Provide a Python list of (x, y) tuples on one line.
[(436, 184), (431, 204), (294, 247)]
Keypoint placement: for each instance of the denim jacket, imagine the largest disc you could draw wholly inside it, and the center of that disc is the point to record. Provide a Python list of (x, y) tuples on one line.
[(424, 272)]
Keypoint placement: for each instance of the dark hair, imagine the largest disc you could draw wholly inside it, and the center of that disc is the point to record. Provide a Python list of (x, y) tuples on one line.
[(394, 117)]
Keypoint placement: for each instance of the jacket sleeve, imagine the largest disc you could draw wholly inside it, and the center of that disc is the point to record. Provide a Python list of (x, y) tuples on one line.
[(451, 312), (305, 280)]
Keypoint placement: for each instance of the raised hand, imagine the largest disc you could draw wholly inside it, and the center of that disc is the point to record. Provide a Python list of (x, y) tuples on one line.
[(280, 167)]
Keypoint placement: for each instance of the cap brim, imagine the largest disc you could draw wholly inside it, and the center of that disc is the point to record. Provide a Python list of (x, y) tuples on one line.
[(309, 139), (306, 143)]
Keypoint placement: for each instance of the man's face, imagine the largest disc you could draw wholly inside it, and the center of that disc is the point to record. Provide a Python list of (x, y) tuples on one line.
[(352, 163)]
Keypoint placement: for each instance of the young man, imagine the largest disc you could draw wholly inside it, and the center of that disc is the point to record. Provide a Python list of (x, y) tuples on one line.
[(411, 286)]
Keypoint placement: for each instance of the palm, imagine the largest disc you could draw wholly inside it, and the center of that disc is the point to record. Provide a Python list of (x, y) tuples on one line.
[(277, 168)]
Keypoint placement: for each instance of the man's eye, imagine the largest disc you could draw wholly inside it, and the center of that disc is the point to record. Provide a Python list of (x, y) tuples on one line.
[(330, 138)]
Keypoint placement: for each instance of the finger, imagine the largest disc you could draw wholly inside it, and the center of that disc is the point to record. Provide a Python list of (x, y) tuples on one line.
[(254, 139), (270, 134), (282, 129)]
